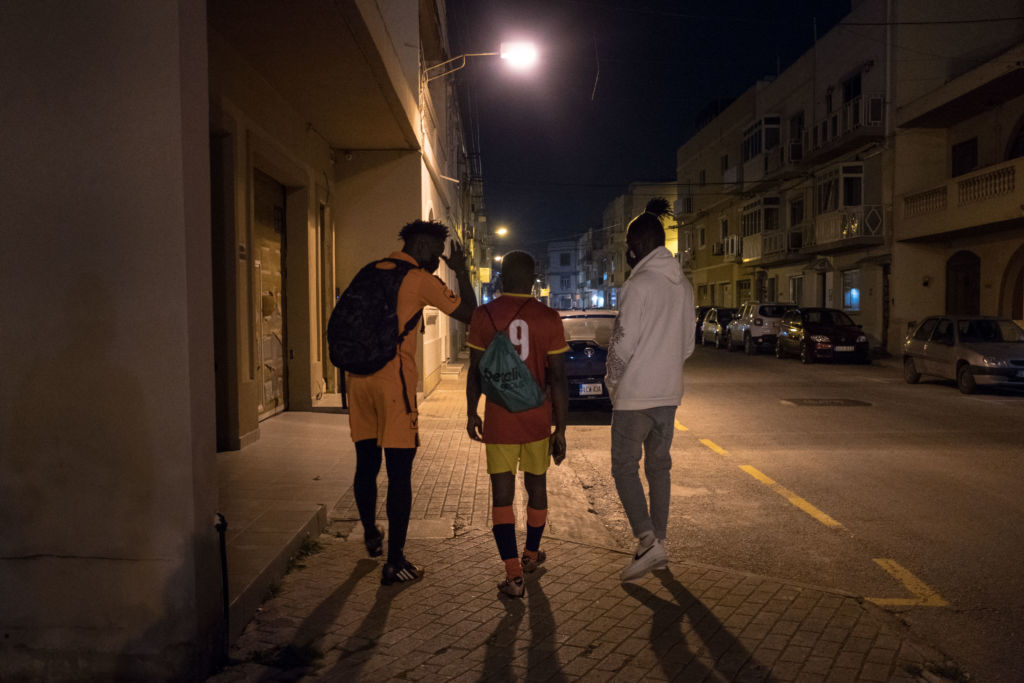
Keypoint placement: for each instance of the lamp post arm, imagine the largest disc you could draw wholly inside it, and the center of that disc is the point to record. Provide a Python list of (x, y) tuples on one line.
[(462, 63)]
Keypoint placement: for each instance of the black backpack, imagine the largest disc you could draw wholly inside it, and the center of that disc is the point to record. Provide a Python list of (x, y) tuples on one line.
[(363, 334)]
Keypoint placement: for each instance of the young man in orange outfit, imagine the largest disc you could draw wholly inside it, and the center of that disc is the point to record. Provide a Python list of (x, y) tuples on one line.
[(382, 406), (524, 439)]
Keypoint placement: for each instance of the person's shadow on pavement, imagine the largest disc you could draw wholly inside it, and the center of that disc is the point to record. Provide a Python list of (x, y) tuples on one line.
[(543, 653), (358, 649), (502, 641), (725, 654), (299, 656)]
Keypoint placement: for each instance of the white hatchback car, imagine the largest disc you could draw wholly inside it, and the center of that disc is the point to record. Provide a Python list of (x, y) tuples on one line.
[(756, 325)]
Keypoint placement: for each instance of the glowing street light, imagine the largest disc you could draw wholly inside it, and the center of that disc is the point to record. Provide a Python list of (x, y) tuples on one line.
[(518, 55), (501, 231)]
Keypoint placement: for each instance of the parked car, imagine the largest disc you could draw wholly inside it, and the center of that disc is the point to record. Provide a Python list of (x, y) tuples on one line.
[(701, 312), (588, 334), (713, 327), (821, 334), (755, 326), (972, 350)]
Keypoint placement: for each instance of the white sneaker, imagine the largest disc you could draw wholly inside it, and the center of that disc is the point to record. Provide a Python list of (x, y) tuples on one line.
[(650, 554)]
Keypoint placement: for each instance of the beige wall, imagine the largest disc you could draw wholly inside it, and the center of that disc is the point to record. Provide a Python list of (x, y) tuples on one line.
[(257, 129), (107, 481)]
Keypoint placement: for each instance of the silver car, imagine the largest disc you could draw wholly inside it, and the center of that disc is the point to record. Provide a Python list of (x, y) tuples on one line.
[(972, 350), (756, 325)]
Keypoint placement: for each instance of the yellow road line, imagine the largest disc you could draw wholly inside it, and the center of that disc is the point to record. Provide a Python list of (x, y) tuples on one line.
[(681, 427), (924, 596), (791, 497), (714, 446)]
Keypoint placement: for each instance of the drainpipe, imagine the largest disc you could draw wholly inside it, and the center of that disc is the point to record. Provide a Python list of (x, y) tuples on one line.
[(222, 527)]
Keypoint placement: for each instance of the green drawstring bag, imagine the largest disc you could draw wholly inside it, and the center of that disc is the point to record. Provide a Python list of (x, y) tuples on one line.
[(504, 377)]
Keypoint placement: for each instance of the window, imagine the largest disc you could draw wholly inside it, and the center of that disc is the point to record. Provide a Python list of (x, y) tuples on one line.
[(796, 289), (702, 237), (851, 88), (564, 259), (965, 156), (725, 163), (762, 135), (566, 282), (725, 228), (743, 290), (925, 331), (752, 142), (827, 192), (851, 290), (702, 178), (750, 221), (796, 211), (771, 131), (853, 182)]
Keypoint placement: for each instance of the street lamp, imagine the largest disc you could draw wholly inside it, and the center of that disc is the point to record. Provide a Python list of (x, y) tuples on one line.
[(501, 231), (518, 55)]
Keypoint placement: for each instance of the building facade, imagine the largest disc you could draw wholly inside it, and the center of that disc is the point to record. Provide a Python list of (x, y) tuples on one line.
[(791, 193), (224, 170)]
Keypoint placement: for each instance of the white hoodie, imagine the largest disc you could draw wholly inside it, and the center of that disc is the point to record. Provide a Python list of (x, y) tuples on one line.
[(654, 334)]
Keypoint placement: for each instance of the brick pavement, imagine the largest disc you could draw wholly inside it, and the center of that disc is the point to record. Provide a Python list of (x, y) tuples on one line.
[(331, 619)]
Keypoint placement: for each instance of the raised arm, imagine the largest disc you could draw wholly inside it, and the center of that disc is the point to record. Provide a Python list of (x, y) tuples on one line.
[(457, 262)]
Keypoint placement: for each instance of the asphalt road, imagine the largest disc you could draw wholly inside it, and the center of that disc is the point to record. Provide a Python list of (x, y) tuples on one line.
[(843, 476)]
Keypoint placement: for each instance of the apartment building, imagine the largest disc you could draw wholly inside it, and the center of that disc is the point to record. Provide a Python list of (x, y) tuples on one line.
[(958, 242), (194, 183), (609, 251), (563, 275), (790, 192)]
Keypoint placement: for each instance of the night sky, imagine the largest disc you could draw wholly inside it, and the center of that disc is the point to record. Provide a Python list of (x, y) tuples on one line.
[(555, 149)]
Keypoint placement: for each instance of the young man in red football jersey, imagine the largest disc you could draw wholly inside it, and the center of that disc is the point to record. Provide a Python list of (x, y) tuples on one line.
[(522, 440)]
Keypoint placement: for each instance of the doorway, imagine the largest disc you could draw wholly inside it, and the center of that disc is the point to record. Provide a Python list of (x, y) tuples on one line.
[(963, 284), (269, 272)]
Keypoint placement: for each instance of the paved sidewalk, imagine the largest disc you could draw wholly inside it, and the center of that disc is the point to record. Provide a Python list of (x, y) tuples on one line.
[(330, 619)]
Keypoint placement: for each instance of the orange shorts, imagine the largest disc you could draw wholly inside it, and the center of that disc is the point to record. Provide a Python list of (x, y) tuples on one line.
[(376, 411)]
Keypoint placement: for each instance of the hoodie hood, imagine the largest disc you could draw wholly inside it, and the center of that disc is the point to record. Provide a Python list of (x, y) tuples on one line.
[(661, 262)]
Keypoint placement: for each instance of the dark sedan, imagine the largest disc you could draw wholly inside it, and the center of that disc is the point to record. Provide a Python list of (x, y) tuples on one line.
[(821, 334), (588, 334)]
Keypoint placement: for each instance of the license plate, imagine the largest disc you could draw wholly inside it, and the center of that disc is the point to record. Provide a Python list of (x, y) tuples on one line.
[(844, 348), (590, 390)]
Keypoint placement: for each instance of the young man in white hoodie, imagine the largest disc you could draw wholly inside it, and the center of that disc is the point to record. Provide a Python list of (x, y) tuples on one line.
[(653, 336)]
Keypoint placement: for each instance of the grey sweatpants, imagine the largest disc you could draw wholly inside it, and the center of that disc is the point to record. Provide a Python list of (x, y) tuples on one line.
[(649, 430)]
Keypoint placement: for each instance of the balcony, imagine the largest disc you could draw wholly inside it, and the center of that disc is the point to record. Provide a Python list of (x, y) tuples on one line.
[(773, 247), (858, 122), (987, 196), (849, 228)]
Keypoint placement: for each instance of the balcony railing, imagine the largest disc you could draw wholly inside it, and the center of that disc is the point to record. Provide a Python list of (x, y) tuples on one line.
[(985, 186), (752, 247), (926, 202), (848, 224), (989, 195)]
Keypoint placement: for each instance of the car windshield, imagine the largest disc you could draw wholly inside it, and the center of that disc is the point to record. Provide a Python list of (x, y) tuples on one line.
[(829, 318), (596, 327), (726, 314), (772, 311), (982, 331)]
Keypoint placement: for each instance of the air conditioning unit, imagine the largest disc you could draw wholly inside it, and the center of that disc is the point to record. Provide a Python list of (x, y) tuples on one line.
[(717, 249)]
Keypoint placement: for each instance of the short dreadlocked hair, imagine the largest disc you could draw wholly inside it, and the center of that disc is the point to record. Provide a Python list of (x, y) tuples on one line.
[(647, 227), (421, 228)]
